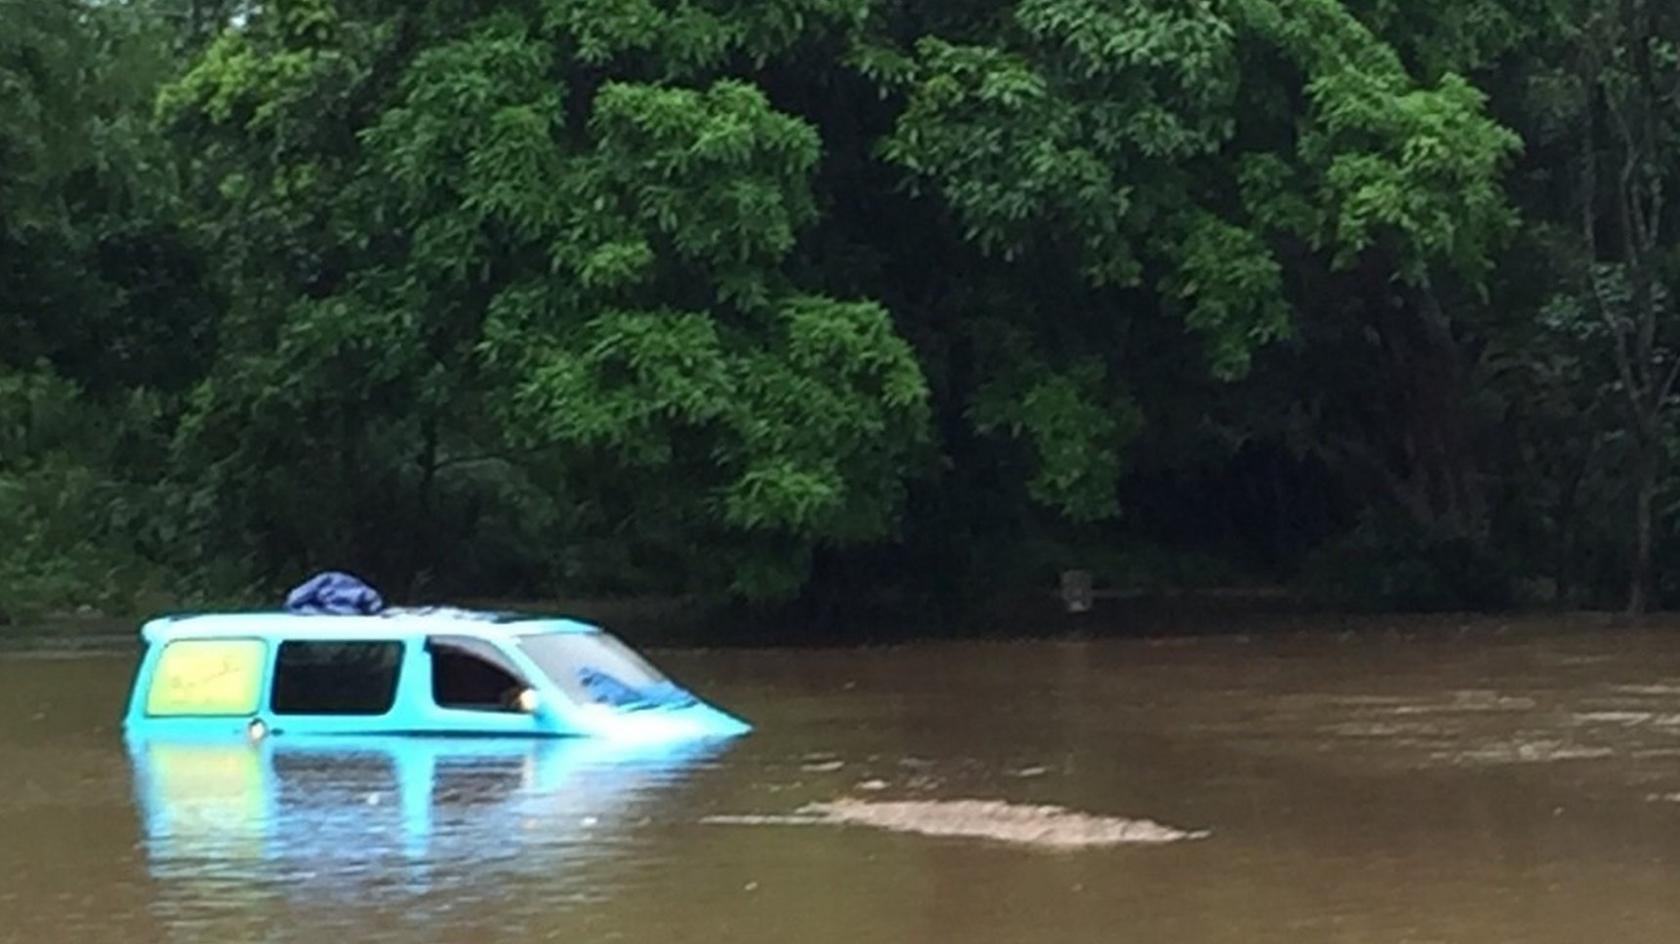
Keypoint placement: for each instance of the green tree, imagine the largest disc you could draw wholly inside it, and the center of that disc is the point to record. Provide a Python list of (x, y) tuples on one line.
[(104, 313), (554, 237), (1609, 91), (1196, 153), (96, 272)]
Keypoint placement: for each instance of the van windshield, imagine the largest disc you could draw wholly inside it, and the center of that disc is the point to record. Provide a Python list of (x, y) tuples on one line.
[(600, 669)]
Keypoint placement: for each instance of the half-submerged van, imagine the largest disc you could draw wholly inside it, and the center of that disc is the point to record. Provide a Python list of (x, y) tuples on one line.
[(424, 671)]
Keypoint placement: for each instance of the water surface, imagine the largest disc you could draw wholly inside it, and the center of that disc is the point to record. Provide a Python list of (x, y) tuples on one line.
[(1434, 788)]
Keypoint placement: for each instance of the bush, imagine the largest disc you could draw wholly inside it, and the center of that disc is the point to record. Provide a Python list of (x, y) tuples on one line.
[(1392, 565), (70, 529), (59, 549)]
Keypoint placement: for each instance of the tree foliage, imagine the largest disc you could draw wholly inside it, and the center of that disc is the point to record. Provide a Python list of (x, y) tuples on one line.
[(815, 297)]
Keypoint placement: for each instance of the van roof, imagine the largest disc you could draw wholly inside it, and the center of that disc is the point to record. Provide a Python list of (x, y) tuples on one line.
[(391, 624)]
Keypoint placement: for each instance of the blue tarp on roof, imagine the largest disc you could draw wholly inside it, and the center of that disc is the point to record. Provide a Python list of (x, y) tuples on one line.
[(332, 593)]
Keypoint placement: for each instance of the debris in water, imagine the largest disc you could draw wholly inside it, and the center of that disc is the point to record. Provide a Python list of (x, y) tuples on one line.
[(1049, 827), (1032, 771)]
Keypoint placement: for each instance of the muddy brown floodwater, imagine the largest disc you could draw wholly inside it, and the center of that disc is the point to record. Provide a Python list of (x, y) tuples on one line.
[(1432, 787)]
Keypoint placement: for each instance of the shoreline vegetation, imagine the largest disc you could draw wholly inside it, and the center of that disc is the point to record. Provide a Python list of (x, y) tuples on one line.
[(835, 313), (685, 623)]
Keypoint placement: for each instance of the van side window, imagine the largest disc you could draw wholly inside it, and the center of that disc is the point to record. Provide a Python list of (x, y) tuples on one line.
[(336, 678), (472, 674), (207, 678)]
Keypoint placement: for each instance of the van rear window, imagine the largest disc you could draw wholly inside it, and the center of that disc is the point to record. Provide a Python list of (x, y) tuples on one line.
[(336, 678), (207, 678)]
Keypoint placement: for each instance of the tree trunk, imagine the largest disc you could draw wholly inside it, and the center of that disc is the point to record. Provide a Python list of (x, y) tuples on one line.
[(422, 524), (1645, 488), (1563, 576)]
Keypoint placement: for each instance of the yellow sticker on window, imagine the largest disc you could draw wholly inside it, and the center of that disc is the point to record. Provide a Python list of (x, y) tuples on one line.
[(207, 677)]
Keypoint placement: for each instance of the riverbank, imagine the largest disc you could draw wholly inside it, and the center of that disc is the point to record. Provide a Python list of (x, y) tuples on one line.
[(677, 622)]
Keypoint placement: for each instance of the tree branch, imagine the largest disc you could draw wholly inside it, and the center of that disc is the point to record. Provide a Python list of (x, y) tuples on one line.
[(508, 457), (1589, 235)]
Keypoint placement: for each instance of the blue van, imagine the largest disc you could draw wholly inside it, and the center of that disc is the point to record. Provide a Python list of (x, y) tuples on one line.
[(423, 671)]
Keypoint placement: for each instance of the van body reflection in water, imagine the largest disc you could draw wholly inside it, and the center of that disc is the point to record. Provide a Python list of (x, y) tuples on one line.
[(230, 824)]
